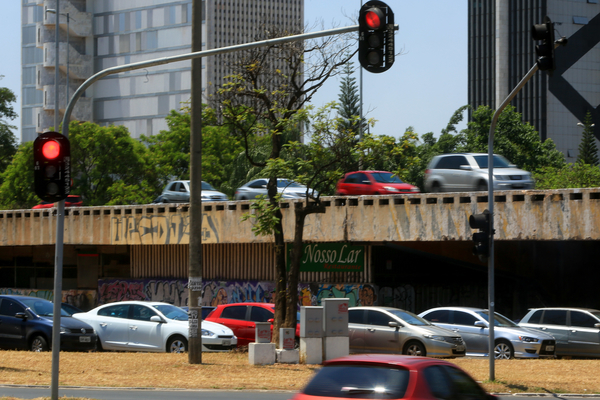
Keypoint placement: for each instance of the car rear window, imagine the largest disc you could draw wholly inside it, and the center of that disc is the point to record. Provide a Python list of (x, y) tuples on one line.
[(359, 382)]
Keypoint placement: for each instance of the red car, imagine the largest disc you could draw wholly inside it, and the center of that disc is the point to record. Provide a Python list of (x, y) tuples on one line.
[(372, 183), (71, 201), (390, 376), (241, 318)]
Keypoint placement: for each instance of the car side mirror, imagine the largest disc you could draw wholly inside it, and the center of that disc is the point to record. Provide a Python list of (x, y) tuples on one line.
[(394, 324), (481, 324), (21, 315), (156, 318), (597, 326), (466, 168), (512, 165), (366, 182), (271, 320)]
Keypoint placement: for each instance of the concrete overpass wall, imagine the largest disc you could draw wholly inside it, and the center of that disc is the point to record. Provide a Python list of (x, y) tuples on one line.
[(570, 214)]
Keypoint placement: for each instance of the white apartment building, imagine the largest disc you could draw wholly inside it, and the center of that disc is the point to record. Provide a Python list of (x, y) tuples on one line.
[(98, 34)]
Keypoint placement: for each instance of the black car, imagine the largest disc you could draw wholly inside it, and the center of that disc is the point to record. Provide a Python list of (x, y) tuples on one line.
[(26, 323)]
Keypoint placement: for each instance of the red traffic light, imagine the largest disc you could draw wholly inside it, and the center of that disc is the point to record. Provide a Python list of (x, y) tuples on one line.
[(51, 149), (373, 18)]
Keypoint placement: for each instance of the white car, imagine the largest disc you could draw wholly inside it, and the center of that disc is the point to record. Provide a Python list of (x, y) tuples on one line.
[(179, 192), (151, 326), (258, 187)]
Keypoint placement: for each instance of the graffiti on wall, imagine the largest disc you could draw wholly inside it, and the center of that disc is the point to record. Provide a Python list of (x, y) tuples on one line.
[(83, 299), (224, 292), (159, 229)]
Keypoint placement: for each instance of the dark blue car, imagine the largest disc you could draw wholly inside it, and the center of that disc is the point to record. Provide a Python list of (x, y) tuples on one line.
[(26, 323)]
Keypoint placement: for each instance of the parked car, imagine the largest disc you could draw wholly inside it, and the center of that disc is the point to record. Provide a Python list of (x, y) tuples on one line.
[(510, 340), (372, 183), (179, 192), (151, 326), (467, 172), (71, 201), (26, 323), (387, 376), (258, 187), (241, 318), (576, 330), (392, 330)]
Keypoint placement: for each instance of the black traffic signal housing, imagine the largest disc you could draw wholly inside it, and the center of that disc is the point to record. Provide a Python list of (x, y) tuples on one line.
[(544, 50), (52, 166), (376, 36), (481, 239)]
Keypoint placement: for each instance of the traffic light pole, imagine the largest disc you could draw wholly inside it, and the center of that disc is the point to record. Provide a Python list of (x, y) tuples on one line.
[(491, 293)]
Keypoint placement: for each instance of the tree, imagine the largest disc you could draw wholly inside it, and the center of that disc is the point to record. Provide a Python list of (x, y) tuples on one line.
[(588, 152), (514, 139), (576, 175), (265, 98), (16, 190), (8, 142)]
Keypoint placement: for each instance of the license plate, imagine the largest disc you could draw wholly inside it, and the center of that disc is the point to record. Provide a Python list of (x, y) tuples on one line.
[(226, 342), (460, 347), (549, 348), (86, 339)]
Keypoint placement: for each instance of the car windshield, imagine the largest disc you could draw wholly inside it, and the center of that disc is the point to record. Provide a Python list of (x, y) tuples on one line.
[(207, 186), (499, 161), (43, 308), (385, 177), (409, 317), (172, 312), (499, 320), (283, 183), (359, 382)]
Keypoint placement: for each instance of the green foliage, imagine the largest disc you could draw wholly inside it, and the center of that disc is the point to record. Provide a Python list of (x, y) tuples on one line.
[(8, 141), (16, 191), (576, 175), (514, 139), (588, 152), (264, 215)]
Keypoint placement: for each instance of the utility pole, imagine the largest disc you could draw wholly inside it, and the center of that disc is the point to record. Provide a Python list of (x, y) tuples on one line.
[(195, 247)]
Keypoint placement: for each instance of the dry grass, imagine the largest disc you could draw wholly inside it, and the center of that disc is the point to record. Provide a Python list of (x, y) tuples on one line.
[(232, 371)]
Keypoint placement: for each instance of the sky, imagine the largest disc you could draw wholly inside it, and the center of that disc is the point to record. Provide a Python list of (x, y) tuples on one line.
[(422, 89)]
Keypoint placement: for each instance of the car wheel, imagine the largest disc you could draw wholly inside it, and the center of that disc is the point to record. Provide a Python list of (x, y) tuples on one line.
[(415, 349), (436, 188), (503, 350), (481, 186), (99, 345), (39, 344), (177, 344)]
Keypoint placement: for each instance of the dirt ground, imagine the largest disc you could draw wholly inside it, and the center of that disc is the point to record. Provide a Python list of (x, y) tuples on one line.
[(232, 371)]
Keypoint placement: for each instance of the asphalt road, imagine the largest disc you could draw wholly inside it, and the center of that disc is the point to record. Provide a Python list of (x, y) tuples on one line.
[(22, 392)]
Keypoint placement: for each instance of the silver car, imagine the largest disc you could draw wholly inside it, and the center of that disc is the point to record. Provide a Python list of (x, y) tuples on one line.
[(179, 192), (576, 330), (392, 330), (467, 172), (258, 187), (510, 340)]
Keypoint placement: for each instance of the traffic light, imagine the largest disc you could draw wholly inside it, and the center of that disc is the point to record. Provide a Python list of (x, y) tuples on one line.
[(52, 166), (376, 36), (545, 50), (481, 239)]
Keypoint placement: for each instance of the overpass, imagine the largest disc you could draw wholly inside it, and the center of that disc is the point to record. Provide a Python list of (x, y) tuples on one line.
[(542, 238)]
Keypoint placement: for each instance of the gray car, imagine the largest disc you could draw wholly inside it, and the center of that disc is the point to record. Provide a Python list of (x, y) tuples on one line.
[(258, 187), (467, 172), (392, 330), (576, 330), (179, 192), (510, 340)]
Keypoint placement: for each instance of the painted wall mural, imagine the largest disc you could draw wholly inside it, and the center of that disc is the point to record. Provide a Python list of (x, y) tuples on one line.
[(83, 299), (225, 292)]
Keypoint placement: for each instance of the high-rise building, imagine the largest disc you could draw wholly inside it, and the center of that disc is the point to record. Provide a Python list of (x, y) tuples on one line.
[(101, 34), (502, 51)]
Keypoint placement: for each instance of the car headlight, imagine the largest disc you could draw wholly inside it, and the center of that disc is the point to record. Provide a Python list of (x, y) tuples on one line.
[(501, 177), (390, 189), (528, 339), (64, 330), (207, 333), (435, 337)]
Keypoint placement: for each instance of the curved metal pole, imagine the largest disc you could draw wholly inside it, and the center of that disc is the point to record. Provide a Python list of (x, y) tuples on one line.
[(491, 294), (188, 56)]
